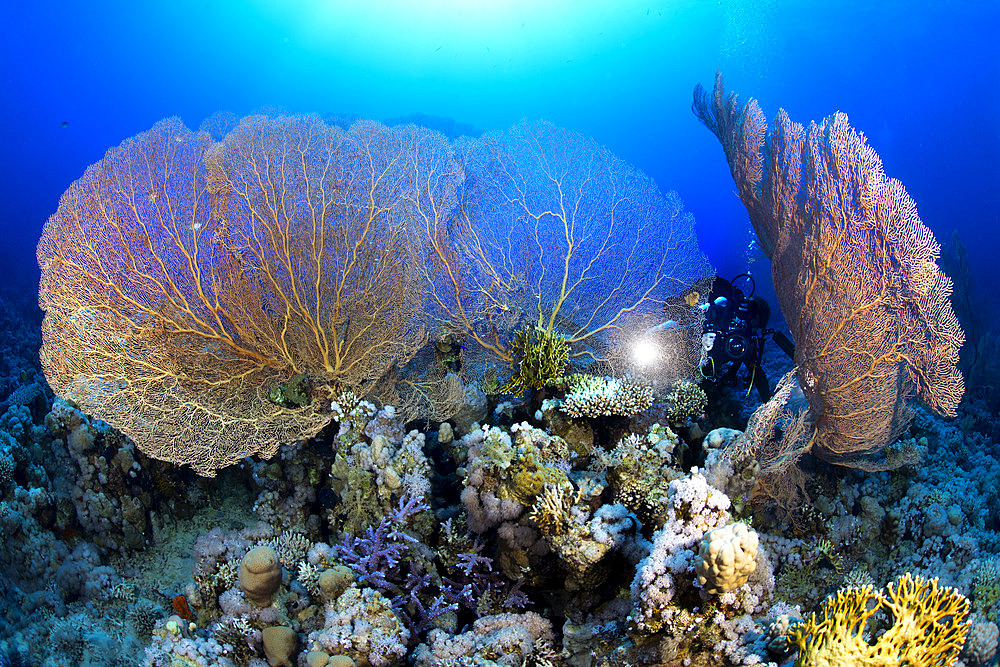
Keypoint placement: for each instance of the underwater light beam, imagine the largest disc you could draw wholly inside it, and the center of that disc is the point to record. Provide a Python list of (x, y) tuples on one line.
[(645, 352)]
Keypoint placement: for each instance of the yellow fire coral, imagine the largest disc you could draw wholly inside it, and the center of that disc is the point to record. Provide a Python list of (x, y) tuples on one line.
[(928, 627), (540, 356)]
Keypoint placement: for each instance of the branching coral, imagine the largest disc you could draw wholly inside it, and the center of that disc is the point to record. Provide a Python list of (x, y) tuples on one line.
[(685, 399), (640, 470), (551, 509), (376, 555), (540, 358), (591, 396), (928, 627)]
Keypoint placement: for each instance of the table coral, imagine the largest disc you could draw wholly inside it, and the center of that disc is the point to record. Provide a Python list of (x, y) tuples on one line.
[(591, 396)]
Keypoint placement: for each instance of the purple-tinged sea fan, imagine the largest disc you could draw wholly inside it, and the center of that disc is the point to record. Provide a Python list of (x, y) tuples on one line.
[(856, 276), (554, 231)]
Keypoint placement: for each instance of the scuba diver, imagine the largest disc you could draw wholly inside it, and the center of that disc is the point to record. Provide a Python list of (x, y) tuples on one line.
[(733, 335)]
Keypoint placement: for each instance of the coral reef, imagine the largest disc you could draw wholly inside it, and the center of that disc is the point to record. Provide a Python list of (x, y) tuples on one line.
[(370, 556), (599, 519)]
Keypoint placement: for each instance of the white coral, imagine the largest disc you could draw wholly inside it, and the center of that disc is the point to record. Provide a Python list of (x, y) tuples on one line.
[(493, 640), (693, 509), (361, 624), (602, 397)]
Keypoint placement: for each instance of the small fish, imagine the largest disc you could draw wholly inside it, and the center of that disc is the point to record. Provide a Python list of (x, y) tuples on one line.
[(438, 48), (663, 326), (63, 125), (721, 301)]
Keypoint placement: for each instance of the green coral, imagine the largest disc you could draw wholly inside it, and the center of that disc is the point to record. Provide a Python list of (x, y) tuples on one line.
[(359, 505), (580, 383), (490, 383), (529, 477), (826, 549), (353, 414), (549, 448), (986, 588), (497, 451), (551, 511), (291, 394), (641, 469), (448, 350), (540, 357)]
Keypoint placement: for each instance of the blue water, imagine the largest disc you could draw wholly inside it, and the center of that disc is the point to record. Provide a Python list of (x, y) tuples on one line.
[(922, 80)]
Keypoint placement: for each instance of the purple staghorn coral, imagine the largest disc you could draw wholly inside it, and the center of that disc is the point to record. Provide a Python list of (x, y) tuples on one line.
[(377, 553)]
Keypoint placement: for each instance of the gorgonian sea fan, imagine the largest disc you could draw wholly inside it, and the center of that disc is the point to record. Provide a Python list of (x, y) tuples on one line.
[(187, 279), (856, 275), (554, 231), (183, 279)]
